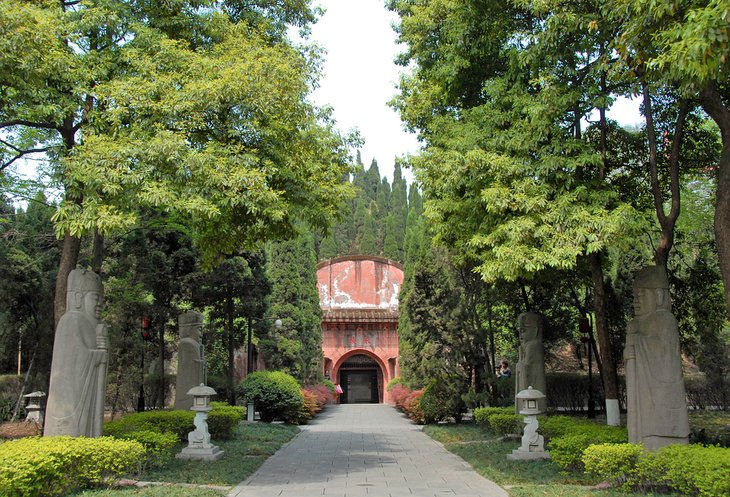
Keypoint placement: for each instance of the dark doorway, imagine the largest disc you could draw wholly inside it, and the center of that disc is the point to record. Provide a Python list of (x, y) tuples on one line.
[(359, 380)]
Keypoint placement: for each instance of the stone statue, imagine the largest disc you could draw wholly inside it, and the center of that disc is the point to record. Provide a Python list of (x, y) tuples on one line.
[(655, 396), (530, 369), (78, 370), (190, 360)]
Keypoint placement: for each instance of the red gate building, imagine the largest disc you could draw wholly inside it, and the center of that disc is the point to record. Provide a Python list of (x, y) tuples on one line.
[(359, 300)]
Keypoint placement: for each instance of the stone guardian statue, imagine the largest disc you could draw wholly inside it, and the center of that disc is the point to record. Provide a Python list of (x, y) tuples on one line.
[(78, 369), (530, 368), (190, 359), (655, 396)]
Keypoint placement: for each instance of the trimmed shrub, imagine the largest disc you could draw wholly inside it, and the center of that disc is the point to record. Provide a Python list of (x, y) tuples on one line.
[(710, 428), (613, 462), (330, 386), (568, 437), (506, 423), (686, 469), (441, 400), (222, 421), (158, 447), (178, 422), (481, 414), (277, 395), (392, 383), (53, 466)]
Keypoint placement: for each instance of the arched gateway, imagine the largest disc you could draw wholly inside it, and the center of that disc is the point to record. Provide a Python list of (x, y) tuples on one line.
[(359, 300)]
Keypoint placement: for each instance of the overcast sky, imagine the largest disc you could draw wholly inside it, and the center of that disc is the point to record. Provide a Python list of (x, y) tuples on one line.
[(360, 77)]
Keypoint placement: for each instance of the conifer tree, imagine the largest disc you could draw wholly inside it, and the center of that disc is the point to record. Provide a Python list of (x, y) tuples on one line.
[(297, 347)]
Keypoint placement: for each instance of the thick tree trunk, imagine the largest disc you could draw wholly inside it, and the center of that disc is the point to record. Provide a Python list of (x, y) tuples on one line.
[(606, 364), (713, 105), (229, 325), (69, 258)]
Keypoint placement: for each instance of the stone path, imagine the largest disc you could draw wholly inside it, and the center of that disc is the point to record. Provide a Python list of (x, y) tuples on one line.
[(362, 450)]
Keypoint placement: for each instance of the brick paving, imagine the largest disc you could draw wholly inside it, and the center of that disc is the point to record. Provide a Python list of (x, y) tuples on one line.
[(360, 450)]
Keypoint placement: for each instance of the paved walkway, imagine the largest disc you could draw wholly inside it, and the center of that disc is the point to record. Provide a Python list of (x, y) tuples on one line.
[(362, 450)]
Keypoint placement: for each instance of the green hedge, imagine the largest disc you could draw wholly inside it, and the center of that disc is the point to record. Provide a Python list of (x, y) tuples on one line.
[(158, 446), (54, 466), (567, 438), (222, 421), (276, 395), (687, 469), (506, 423), (481, 414)]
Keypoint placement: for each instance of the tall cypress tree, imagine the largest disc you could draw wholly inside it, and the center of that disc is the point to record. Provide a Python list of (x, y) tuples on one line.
[(297, 347)]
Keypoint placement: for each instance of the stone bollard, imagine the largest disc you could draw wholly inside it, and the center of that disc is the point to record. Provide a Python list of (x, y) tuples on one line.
[(533, 444)]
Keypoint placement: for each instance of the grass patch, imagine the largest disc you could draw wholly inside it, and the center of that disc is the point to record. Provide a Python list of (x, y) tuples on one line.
[(487, 454), (156, 491), (251, 445)]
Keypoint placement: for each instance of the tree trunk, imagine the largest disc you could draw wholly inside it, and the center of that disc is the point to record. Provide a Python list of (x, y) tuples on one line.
[(713, 105), (606, 363), (229, 325), (69, 258)]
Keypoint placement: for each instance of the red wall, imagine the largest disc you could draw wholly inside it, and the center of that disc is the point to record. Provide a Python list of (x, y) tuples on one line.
[(359, 299)]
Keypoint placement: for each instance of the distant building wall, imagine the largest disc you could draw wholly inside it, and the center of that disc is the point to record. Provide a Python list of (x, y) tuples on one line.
[(359, 300)]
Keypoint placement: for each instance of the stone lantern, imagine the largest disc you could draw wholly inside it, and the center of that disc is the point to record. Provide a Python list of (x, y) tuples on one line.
[(533, 444), (199, 446), (33, 408)]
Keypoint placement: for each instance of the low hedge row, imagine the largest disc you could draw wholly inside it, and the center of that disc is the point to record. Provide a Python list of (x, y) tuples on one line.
[(687, 469), (501, 420), (567, 437), (222, 421), (54, 466)]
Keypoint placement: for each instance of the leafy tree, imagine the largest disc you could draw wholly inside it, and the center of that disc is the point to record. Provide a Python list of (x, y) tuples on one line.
[(196, 109)]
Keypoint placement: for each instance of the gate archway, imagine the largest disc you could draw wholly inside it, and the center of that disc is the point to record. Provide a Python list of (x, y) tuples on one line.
[(361, 378)]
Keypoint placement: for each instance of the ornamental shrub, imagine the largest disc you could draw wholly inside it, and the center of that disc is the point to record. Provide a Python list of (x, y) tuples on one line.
[(54, 466), (503, 423), (613, 462), (442, 400), (481, 414), (412, 406), (687, 469), (569, 437), (158, 447), (276, 395), (399, 394)]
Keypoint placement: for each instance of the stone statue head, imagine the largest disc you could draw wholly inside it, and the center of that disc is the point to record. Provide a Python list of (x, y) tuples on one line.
[(84, 292), (530, 326), (651, 290), (191, 324)]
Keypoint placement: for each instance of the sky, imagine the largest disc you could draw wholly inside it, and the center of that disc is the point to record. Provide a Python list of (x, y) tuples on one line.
[(359, 77)]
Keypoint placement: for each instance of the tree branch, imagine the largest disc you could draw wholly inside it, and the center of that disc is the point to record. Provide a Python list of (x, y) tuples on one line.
[(21, 153), (30, 124)]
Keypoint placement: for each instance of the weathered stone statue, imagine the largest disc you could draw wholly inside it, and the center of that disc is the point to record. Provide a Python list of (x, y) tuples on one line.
[(190, 361), (656, 402), (78, 369), (530, 369)]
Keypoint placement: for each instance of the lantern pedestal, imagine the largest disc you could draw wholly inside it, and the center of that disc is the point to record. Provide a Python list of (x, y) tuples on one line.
[(533, 444), (199, 446)]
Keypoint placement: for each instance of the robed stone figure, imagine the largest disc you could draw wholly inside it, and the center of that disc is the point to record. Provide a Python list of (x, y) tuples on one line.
[(530, 368), (190, 360), (655, 395), (78, 369)]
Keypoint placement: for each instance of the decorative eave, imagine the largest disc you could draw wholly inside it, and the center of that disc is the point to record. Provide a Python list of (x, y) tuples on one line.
[(360, 315)]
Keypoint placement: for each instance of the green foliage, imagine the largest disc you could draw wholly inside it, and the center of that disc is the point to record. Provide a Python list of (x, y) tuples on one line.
[(296, 348), (55, 466), (505, 423), (481, 414), (441, 400), (612, 462), (276, 395), (568, 437), (709, 428), (686, 469), (158, 446), (222, 421)]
